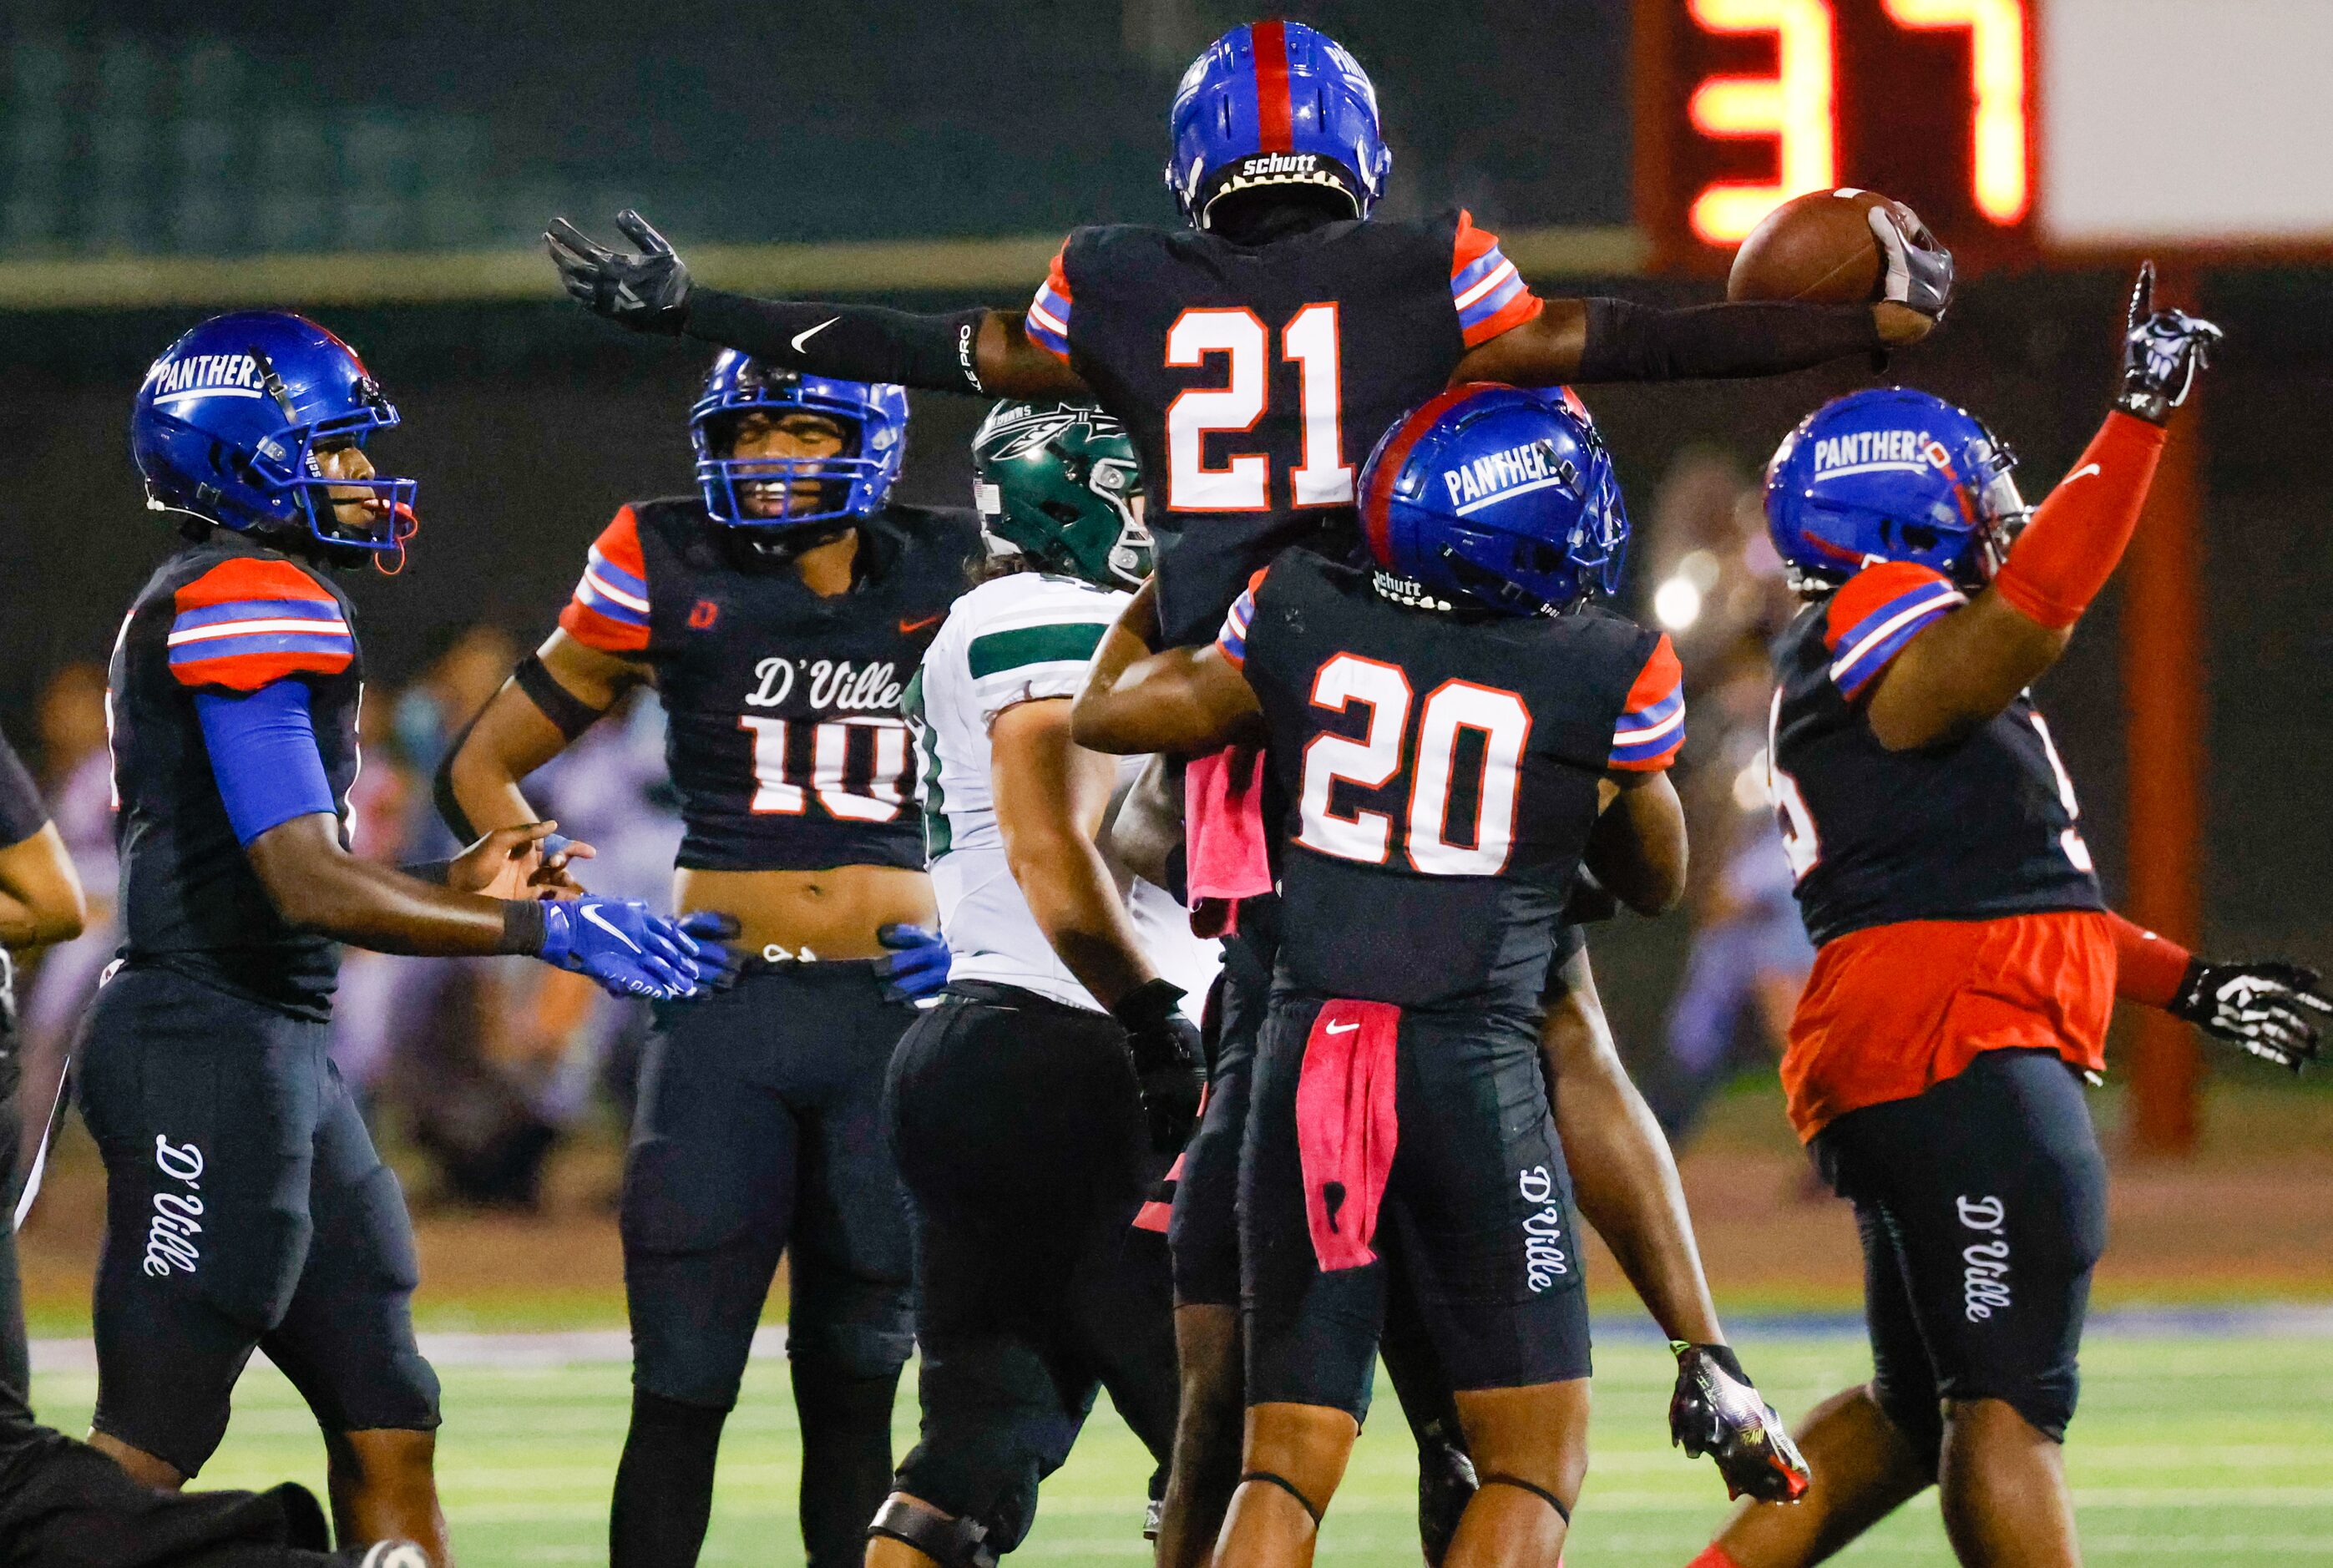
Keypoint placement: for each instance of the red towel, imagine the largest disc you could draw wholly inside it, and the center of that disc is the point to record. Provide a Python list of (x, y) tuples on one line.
[(1225, 859), (1345, 1128)]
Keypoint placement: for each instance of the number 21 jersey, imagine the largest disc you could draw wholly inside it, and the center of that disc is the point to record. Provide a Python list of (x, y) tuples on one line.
[(1255, 379)]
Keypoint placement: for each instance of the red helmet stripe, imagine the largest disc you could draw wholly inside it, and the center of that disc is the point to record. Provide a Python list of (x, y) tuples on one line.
[(1375, 513), (1274, 108)]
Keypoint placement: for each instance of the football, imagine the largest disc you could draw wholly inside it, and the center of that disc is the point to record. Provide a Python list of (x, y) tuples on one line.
[(1817, 247)]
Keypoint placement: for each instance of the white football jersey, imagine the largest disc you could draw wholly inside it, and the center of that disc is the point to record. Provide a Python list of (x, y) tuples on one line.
[(1014, 639)]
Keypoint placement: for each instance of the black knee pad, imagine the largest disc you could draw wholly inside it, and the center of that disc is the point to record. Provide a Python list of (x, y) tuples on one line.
[(950, 1542), (995, 1425)]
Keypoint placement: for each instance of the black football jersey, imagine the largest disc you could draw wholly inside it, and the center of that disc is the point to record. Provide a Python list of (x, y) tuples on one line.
[(1255, 380), (1442, 777), (1980, 828), (228, 615), (785, 740)]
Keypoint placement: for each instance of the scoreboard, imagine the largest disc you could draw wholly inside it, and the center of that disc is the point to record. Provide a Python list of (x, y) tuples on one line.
[(1742, 104), (2020, 130)]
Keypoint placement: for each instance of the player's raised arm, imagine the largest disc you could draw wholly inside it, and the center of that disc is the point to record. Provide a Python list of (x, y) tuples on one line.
[(985, 352), (1959, 666), (1186, 701), (1607, 339)]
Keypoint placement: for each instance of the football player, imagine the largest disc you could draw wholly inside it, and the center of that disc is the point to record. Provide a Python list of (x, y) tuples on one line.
[(1448, 722), (1966, 962), (779, 613), (1038, 1104), (245, 1207), (41, 904), (1257, 353)]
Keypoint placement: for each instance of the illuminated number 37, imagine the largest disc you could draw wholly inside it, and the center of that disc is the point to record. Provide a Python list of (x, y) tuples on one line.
[(1242, 482)]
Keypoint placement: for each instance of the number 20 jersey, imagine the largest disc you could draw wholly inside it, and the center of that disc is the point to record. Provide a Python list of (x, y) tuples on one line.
[(1973, 830), (1443, 775), (785, 739), (1256, 378)]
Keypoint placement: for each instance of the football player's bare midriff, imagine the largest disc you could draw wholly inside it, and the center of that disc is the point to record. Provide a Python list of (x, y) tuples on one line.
[(833, 912)]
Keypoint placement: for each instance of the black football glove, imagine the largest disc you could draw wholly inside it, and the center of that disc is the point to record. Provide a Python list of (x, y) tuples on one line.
[(1169, 1069), (1919, 268), (2272, 1010), (647, 293), (2161, 352), (1716, 1411)]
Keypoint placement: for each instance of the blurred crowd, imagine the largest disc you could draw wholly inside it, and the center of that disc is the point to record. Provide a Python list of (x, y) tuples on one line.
[(482, 1065)]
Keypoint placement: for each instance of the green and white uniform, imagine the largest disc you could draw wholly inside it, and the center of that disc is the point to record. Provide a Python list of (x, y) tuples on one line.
[(1011, 641)]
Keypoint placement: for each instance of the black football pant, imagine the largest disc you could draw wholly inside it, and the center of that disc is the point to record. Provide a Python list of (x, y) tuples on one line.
[(1982, 1206), (16, 1366), (245, 1208), (760, 1134), (1021, 1141)]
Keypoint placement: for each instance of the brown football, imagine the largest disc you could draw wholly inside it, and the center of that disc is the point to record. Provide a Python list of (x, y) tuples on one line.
[(1816, 247)]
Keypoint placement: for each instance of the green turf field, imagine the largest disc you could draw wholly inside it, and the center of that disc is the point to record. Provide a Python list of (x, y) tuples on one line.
[(2200, 1450)]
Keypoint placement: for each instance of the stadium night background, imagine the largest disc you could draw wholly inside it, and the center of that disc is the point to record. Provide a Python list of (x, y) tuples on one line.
[(388, 169)]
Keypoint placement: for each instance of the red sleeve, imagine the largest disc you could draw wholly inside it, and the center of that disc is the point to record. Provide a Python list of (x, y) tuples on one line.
[(2151, 969), (247, 622), (1232, 642), (2079, 533), (1048, 323), (1651, 727), (609, 610), (1877, 614), (1489, 294)]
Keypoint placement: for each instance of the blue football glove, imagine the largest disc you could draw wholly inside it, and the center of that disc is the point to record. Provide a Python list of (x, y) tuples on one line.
[(717, 963), (919, 965), (619, 943)]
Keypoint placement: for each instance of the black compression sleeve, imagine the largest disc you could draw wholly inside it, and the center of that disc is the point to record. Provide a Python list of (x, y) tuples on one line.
[(850, 343), (1633, 342), (523, 928), (568, 712)]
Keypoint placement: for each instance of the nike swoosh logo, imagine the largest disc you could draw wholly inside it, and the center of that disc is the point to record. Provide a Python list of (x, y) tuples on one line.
[(1339, 1028), (807, 334), (909, 627), (601, 920), (2079, 473)]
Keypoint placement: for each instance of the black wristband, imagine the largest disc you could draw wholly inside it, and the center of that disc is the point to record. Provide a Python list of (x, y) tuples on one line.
[(1147, 1006), (523, 928), (569, 713), (1633, 342), (428, 870), (852, 342)]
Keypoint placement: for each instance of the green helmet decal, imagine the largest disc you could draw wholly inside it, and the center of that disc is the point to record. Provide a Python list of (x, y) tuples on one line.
[(1057, 482)]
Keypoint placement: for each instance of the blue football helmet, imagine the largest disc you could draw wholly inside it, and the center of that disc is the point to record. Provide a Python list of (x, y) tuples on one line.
[(853, 483), (1893, 475), (1274, 103), (1499, 495), (228, 422)]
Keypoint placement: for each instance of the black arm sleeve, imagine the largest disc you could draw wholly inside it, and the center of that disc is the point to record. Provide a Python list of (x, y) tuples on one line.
[(1633, 342), (22, 814), (849, 343)]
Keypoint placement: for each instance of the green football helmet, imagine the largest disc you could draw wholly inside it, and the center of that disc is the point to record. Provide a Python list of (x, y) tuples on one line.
[(1057, 482)]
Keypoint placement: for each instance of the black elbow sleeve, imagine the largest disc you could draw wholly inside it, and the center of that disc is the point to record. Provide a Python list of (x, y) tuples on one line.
[(934, 353), (1632, 342)]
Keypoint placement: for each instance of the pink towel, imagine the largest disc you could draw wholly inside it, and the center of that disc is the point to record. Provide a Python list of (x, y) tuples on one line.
[(1223, 826), (1345, 1128)]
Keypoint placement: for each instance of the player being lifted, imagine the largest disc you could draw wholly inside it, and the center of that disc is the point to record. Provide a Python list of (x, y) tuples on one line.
[(245, 1207), (779, 613), (1253, 356), (1448, 721), (1967, 963), (1035, 1107)]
